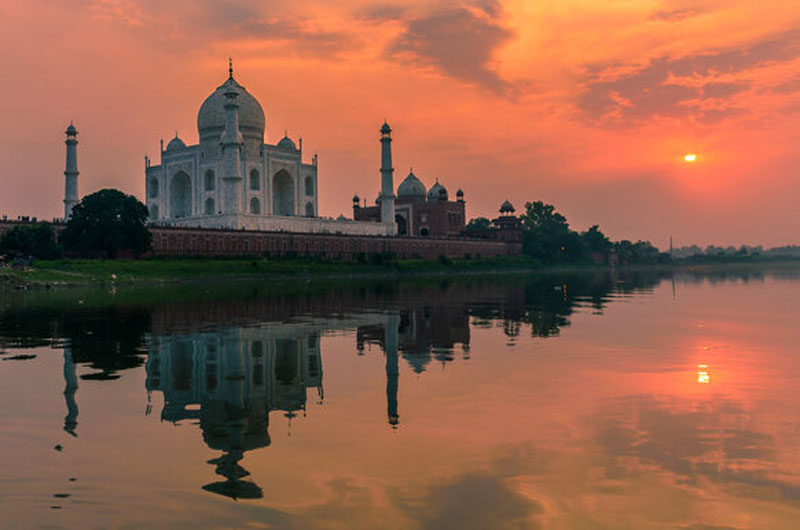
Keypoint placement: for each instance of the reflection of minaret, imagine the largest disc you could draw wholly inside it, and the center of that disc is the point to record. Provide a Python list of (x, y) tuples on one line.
[(392, 368), (71, 172), (71, 380)]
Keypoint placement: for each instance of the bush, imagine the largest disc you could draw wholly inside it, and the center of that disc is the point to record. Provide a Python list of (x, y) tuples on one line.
[(36, 240), (444, 260)]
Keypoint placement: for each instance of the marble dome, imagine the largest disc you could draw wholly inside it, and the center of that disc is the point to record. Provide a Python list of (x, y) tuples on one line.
[(175, 143), (287, 144), (211, 117)]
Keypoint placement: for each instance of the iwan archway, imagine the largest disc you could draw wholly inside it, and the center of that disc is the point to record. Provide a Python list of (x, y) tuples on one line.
[(283, 193), (180, 195)]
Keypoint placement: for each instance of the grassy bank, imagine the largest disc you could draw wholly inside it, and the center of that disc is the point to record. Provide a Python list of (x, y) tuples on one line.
[(80, 272)]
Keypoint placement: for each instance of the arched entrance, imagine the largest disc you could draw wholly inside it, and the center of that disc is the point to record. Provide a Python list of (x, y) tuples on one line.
[(255, 206), (180, 195), (209, 207), (282, 193), (309, 210), (402, 225)]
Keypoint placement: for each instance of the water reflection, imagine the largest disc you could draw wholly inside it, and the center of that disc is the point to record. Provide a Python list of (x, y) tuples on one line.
[(230, 379), (223, 360)]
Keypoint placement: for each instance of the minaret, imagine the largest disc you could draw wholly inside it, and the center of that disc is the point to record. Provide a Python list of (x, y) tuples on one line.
[(231, 141), (71, 172), (387, 180)]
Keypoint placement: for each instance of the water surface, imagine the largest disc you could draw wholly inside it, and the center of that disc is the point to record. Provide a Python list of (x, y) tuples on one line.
[(539, 401)]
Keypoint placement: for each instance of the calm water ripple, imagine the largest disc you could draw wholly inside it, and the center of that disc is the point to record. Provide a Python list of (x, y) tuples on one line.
[(641, 400)]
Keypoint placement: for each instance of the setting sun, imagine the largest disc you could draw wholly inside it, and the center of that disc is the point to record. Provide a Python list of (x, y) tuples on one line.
[(689, 157)]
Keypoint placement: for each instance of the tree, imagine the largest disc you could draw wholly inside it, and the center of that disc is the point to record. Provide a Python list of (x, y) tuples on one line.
[(478, 225), (36, 240), (546, 234), (595, 240), (107, 222)]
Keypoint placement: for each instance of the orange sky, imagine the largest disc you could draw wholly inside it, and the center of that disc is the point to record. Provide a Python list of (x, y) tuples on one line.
[(588, 104)]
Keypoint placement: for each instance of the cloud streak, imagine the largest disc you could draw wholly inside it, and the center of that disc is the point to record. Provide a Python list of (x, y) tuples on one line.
[(664, 87)]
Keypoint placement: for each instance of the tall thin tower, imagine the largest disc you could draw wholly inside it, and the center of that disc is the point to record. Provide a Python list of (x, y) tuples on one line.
[(387, 176), (71, 172)]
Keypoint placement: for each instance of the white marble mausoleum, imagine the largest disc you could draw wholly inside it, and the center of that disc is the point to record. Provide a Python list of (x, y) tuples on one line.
[(232, 179)]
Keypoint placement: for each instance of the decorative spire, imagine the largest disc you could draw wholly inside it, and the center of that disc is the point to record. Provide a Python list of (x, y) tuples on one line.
[(230, 68)]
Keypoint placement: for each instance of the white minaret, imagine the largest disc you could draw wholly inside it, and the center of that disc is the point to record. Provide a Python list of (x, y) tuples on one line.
[(71, 172), (231, 141), (387, 180)]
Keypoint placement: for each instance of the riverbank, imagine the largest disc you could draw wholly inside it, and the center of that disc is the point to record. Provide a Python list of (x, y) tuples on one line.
[(83, 272), (62, 273)]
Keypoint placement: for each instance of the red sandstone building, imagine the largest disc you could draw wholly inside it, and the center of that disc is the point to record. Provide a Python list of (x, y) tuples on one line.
[(418, 213)]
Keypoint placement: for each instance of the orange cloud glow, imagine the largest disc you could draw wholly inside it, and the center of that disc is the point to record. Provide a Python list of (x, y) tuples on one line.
[(586, 104)]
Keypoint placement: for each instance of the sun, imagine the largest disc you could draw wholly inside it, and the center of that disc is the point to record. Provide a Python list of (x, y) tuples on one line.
[(689, 157)]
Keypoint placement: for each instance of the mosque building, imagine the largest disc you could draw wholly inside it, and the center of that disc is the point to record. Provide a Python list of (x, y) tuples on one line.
[(232, 179), (415, 211)]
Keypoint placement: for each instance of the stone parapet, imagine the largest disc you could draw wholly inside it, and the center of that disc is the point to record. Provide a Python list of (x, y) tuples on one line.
[(277, 223)]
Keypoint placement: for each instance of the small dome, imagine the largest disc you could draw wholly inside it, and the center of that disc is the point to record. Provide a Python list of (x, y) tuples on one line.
[(287, 144), (507, 207), (175, 143), (437, 192), (411, 187), (356, 198), (211, 117), (385, 129), (71, 130), (459, 193)]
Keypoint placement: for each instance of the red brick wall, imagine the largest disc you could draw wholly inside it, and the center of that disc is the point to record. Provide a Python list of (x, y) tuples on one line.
[(212, 242), (205, 242)]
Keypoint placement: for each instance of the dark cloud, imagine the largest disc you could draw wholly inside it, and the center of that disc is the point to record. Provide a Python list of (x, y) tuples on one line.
[(460, 42), (383, 12), (674, 15), (666, 87), (723, 90), (188, 21)]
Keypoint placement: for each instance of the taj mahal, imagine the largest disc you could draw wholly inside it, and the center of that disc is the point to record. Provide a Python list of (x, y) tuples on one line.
[(233, 180)]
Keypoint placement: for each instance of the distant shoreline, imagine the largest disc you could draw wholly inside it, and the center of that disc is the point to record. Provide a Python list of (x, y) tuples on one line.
[(66, 273)]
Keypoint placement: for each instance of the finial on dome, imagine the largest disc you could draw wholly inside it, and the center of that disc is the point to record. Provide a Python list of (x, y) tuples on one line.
[(230, 68)]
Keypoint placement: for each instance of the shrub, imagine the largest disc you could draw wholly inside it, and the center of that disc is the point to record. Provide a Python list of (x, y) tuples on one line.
[(36, 240)]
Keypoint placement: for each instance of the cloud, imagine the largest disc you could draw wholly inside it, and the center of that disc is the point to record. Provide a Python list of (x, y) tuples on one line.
[(617, 94), (197, 23), (693, 441), (459, 42), (474, 501)]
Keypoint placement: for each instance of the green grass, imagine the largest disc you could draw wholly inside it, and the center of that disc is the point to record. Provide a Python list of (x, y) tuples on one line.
[(84, 271)]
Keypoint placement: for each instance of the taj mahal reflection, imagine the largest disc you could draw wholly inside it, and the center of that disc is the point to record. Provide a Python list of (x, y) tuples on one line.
[(229, 380)]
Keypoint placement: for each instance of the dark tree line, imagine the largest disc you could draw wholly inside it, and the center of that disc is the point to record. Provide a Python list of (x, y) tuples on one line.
[(547, 236)]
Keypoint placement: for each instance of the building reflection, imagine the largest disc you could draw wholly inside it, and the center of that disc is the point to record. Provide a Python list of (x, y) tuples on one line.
[(230, 380), (229, 358)]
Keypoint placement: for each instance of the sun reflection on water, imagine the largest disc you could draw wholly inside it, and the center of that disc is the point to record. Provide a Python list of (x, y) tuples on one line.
[(703, 376)]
